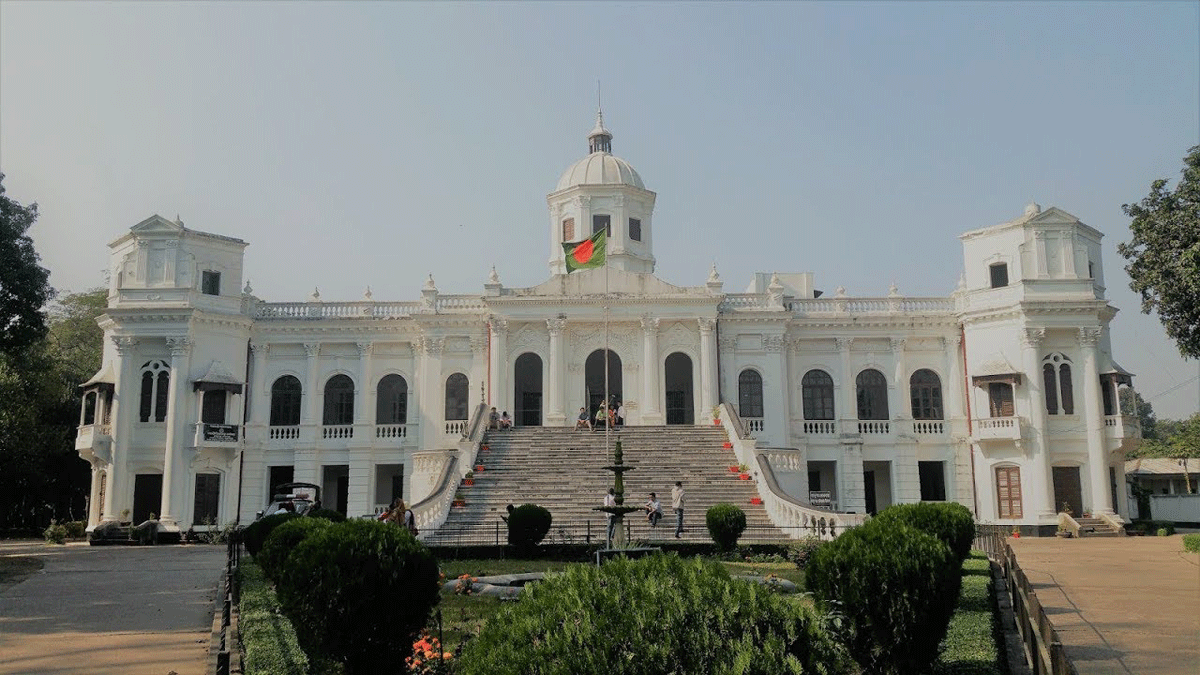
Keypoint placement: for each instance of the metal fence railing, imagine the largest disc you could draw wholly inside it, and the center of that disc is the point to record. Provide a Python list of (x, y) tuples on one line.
[(225, 654), (595, 532)]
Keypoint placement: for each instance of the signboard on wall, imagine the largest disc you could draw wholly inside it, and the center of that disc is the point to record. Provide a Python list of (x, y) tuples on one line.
[(221, 433), (820, 498)]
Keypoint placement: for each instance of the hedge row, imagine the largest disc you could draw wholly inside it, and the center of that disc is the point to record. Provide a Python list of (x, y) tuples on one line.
[(1191, 542), (268, 638), (970, 646)]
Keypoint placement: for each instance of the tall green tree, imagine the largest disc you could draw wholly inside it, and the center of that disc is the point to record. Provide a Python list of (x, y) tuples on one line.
[(1132, 403), (24, 283), (1164, 254)]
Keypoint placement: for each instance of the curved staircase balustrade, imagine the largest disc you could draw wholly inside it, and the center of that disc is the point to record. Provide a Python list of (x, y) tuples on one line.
[(431, 512), (785, 511)]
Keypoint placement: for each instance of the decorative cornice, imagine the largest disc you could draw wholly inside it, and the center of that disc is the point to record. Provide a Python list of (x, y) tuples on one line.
[(898, 344), (773, 343), (844, 343), (431, 346), (260, 348), (364, 348), (312, 349)]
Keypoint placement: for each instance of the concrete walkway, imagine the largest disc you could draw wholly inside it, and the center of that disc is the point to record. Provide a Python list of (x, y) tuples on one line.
[(1127, 605), (128, 610)]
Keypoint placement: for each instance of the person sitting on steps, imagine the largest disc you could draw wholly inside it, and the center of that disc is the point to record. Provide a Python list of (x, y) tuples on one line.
[(584, 421), (493, 419), (654, 510), (505, 421)]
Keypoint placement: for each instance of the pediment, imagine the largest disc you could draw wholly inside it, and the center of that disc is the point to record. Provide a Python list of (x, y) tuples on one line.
[(1054, 215), (156, 224)]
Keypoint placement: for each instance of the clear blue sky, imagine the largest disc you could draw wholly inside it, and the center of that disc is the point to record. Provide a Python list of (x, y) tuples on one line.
[(357, 144)]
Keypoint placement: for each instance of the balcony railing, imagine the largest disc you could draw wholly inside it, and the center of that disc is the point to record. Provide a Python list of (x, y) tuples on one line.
[(1122, 426), (284, 433), (929, 427), (820, 427), (874, 427), (332, 431), (998, 429), (391, 431), (455, 427), (754, 425)]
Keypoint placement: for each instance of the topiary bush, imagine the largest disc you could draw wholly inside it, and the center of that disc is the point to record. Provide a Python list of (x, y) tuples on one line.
[(257, 532), (949, 521), (284, 539), (527, 526), (726, 523), (327, 514), (359, 591), (660, 614), (896, 588)]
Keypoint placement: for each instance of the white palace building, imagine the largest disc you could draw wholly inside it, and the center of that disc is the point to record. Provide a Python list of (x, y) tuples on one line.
[(1002, 396)]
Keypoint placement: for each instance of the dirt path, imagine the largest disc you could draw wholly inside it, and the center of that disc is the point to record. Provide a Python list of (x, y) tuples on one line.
[(101, 610), (1127, 605)]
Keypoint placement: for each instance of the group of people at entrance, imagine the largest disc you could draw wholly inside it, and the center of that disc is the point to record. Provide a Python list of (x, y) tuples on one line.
[(653, 509), (611, 415)]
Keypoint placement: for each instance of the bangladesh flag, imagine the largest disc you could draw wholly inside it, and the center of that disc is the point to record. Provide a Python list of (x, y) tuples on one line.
[(585, 254)]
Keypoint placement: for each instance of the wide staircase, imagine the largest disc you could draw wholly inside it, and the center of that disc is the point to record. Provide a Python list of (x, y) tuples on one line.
[(563, 470)]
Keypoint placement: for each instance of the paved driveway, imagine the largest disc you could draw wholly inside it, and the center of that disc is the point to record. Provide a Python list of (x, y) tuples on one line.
[(1124, 605), (128, 610)]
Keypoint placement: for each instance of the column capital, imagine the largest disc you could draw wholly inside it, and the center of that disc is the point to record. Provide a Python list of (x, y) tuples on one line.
[(707, 324), (179, 345), (555, 325), (728, 343), (260, 348), (773, 343), (478, 342), (432, 346), (953, 341), (124, 344), (312, 349), (650, 324), (364, 348), (898, 344), (844, 343), (498, 326), (1089, 336), (1032, 337)]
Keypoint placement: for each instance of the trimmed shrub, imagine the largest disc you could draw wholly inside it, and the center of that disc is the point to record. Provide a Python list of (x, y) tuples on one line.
[(76, 529), (55, 533), (801, 552), (527, 526), (359, 592), (971, 646), (726, 523), (949, 521), (1191, 542), (327, 514), (1153, 526), (660, 614), (273, 556), (257, 532), (896, 588)]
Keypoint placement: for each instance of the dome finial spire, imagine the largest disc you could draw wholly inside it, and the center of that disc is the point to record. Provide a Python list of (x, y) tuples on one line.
[(600, 140)]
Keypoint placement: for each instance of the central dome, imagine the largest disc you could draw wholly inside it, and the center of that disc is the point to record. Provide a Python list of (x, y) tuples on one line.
[(600, 168)]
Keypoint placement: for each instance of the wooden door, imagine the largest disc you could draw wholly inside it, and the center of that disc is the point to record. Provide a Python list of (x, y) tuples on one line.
[(1008, 491), (1067, 489)]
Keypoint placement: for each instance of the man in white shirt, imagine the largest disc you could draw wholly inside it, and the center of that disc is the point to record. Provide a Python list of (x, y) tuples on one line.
[(677, 504), (653, 510), (610, 499)]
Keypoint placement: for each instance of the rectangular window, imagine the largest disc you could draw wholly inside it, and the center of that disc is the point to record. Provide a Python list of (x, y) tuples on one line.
[(999, 275), (208, 493), (602, 222), (568, 230), (933, 481), (1008, 491), (213, 411), (210, 282), (635, 229), (1000, 399)]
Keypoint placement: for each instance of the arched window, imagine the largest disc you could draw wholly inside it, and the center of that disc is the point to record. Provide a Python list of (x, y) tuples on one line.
[(817, 387), (872, 395), (339, 401), (391, 401), (1056, 380), (156, 383), (750, 394), (285, 402), (925, 388), (456, 397)]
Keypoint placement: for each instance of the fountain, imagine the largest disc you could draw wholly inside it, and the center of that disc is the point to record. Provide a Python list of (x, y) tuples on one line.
[(618, 512)]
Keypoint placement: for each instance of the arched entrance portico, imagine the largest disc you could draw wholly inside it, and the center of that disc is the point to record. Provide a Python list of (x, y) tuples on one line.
[(593, 378), (680, 404), (527, 390)]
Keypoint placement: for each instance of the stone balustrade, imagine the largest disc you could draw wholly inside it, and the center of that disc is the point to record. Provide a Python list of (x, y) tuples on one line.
[(819, 427), (284, 433), (391, 430), (338, 431), (998, 428)]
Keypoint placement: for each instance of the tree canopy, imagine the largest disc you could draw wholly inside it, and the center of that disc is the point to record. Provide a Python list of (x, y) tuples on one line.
[(24, 283), (1164, 254)]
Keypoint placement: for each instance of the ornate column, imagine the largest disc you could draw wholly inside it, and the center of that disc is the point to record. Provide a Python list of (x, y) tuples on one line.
[(1093, 413), (849, 403), (1041, 495), (899, 403), (260, 394), (906, 479), (498, 393), (555, 416), (312, 397), (708, 367), (432, 385), (364, 412), (650, 405), (953, 402), (175, 466), (124, 408)]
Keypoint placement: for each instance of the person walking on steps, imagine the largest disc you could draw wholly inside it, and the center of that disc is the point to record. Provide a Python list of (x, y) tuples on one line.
[(610, 499), (677, 504)]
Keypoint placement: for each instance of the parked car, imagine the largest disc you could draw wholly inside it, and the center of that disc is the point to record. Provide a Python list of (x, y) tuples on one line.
[(296, 497)]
